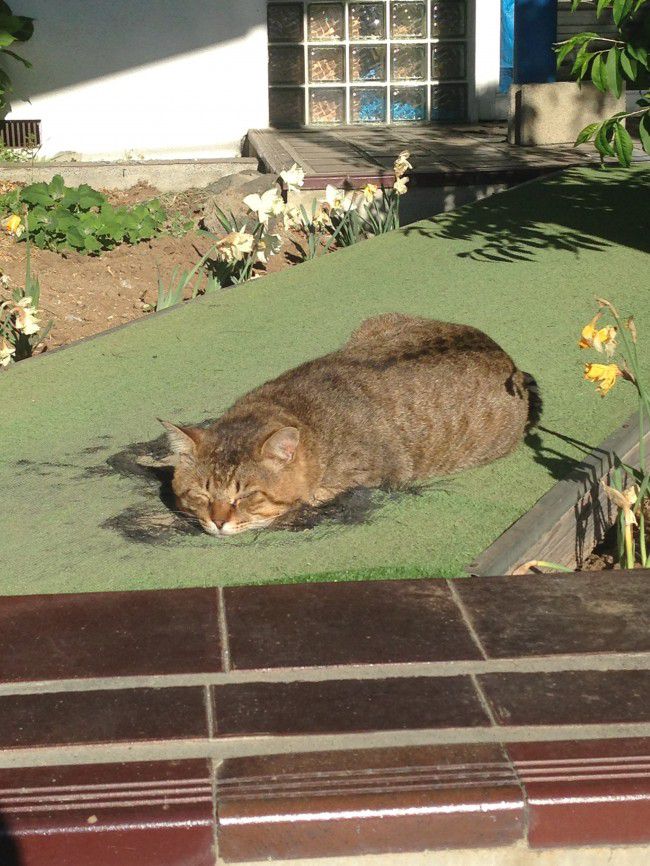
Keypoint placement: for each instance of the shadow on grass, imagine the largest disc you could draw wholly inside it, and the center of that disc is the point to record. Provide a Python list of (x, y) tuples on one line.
[(559, 465), (569, 212)]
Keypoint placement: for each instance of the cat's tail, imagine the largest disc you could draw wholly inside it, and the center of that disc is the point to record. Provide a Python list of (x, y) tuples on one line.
[(535, 403)]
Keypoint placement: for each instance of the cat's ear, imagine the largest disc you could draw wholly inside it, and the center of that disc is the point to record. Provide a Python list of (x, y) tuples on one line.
[(182, 440), (280, 447)]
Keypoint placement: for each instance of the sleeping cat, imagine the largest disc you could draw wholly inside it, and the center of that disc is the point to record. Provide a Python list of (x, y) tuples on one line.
[(404, 399)]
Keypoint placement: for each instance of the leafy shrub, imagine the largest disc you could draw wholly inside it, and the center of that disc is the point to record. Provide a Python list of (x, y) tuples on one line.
[(80, 218)]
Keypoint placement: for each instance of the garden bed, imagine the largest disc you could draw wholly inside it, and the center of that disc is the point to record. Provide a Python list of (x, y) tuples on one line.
[(85, 514)]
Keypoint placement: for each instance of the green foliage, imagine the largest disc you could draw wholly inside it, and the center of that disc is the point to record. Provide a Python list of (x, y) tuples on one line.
[(173, 293), (610, 63), (13, 29), (80, 218)]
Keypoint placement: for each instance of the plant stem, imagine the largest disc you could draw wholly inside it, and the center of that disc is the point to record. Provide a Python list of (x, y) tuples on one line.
[(642, 545), (629, 546)]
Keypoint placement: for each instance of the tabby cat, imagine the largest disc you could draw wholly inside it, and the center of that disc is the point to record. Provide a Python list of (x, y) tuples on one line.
[(404, 399)]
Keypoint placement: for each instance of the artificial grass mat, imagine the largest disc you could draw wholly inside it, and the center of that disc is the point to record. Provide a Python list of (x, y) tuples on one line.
[(523, 265)]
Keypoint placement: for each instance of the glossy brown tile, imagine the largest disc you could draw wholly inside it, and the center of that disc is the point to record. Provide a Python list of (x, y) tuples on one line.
[(345, 623), (346, 706), (367, 802), (569, 697), (153, 814), (123, 715), (585, 792), (556, 614), (109, 634)]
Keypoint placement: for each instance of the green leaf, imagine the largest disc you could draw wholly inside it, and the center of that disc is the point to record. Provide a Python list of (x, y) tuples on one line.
[(602, 140), (621, 9), (644, 132), (629, 65), (598, 75), (613, 73), (15, 56), (91, 244), (57, 187), (586, 133), (639, 53), (602, 4), (37, 193), (623, 145)]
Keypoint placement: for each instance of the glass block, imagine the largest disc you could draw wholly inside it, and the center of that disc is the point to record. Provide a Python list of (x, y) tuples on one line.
[(368, 63), (326, 64), (408, 62), (447, 61), (286, 107), (408, 104), (286, 65), (368, 105), (408, 20), (326, 22), (448, 18), (448, 102), (366, 21), (326, 105), (284, 22)]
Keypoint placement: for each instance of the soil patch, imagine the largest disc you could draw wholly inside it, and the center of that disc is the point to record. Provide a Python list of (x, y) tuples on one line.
[(85, 295)]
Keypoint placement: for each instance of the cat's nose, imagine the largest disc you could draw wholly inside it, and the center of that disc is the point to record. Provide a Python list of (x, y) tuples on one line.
[(219, 523)]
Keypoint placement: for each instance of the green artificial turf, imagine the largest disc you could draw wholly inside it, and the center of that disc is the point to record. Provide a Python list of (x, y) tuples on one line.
[(523, 266)]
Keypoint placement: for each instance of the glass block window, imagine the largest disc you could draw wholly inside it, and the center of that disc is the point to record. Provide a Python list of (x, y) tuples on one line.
[(388, 61)]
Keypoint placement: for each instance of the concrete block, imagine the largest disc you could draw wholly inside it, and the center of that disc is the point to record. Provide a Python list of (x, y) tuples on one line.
[(555, 113), (166, 175)]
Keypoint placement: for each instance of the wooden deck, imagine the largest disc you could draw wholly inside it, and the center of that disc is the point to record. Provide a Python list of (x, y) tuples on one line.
[(441, 155)]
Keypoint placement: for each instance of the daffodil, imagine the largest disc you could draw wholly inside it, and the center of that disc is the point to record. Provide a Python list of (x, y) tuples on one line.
[(6, 351), (605, 375), (400, 185), (338, 199), (265, 206), (293, 177), (13, 225), (269, 245), (402, 164), (321, 219), (369, 192), (234, 247), (600, 339), (293, 218), (25, 314), (625, 500)]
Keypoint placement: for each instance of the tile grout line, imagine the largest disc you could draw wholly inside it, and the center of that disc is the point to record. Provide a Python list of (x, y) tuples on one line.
[(466, 618), (214, 766), (223, 631), (601, 662), (209, 711), (257, 745)]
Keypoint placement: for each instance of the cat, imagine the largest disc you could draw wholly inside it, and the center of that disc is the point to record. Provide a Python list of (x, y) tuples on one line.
[(404, 399)]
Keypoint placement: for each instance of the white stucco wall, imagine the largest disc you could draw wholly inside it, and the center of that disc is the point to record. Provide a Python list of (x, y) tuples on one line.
[(150, 78), (160, 79)]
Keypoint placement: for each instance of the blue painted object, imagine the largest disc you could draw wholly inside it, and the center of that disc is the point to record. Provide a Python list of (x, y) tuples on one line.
[(407, 111), (535, 32), (507, 44)]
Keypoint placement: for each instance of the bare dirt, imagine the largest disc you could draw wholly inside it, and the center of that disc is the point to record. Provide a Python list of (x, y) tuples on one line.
[(84, 295)]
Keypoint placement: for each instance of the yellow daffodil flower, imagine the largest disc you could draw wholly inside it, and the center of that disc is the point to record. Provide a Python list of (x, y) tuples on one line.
[(369, 192), (600, 339), (605, 375), (293, 177), (13, 225), (6, 351), (402, 164), (400, 185)]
